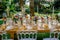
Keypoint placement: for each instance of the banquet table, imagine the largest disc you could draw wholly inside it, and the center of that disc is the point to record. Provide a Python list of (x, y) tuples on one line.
[(43, 31), (16, 29)]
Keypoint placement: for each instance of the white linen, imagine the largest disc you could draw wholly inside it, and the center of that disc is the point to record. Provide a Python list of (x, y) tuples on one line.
[(9, 27), (50, 39)]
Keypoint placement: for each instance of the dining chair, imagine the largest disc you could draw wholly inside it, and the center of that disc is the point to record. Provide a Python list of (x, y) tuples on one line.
[(5, 36), (55, 36), (24, 35), (0, 35)]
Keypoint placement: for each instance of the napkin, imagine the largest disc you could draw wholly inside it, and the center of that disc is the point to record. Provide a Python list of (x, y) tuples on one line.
[(9, 28)]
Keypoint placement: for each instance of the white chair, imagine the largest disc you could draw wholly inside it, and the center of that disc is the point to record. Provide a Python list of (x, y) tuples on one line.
[(6, 38), (0, 36), (56, 36), (29, 33)]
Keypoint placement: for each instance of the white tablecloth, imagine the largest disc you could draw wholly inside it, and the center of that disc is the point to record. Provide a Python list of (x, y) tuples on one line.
[(28, 39), (8, 39), (50, 39)]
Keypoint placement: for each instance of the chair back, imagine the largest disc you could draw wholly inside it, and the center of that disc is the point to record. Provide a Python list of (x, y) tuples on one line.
[(27, 35)]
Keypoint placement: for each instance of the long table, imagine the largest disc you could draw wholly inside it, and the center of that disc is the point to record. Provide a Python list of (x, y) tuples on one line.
[(16, 29), (12, 31)]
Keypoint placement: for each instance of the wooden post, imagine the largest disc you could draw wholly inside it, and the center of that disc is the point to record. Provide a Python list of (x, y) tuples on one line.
[(32, 7)]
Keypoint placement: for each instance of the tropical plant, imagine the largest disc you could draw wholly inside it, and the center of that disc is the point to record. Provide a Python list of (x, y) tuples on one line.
[(10, 6)]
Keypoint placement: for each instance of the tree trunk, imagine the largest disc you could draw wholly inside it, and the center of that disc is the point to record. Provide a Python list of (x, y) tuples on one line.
[(32, 7), (8, 14), (21, 4)]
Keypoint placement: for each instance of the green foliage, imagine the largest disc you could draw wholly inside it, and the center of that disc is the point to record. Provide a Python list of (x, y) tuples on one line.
[(27, 10), (42, 9), (10, 5), (1, 22)]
